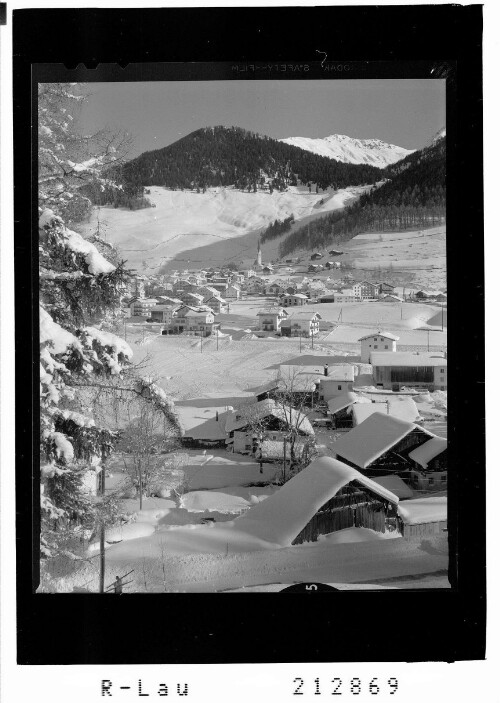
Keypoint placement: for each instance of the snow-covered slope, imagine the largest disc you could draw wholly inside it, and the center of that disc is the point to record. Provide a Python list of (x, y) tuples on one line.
[(439, 135), (353, 151), (183, 221)]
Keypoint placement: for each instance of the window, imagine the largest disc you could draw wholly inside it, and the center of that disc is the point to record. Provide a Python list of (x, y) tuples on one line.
[(339, 388), (386, 346), (441, 370), (375, 346), (443, 478), (431, 482)]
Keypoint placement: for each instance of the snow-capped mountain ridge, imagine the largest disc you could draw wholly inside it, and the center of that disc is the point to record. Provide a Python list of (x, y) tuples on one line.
[(347, 149)]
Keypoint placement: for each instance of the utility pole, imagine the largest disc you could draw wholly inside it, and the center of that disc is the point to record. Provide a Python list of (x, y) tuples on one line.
[(284, 458), (428, 335), (300, 342), (201, 342), (102, 565)]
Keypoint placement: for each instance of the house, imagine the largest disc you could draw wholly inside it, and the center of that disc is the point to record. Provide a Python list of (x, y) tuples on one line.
[(142, 306), (316, 255), (403, 408), (378, 341), (441, 298), (265, 418), (237, 277), (423, 518), (385, 288), (294, 299), (333, 265), (197, 321), (275, 289), (381, 445), (217, 304), (345, 296), (167, 300), (191, 298), (414, 369), (219, 286), (328, 297), (301, 324), (324, 497), (429, 294), (314, 267), (210, 433), (389, 298), (335, 252), (431, 465), (270, 320), (267, 270), (233, 292), (338, 380), (365, 290), (163, 313), (340, 409)]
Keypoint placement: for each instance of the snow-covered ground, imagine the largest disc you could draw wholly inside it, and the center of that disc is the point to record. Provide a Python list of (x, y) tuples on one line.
[(206, 228)]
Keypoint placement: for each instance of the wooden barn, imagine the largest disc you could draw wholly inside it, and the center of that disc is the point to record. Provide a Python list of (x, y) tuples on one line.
[(325, 497), (423, 518), (381, 445)]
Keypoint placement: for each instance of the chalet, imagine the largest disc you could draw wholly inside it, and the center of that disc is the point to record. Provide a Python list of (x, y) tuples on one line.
[(198, 321), (340, 409), (206, 291), (142, 306), (163, 313), (385, 288), (335, 252), (300, 324), (345, 296), (389, 298), (191, 298), (428, 294), (270, 320), (381, 445), (364, 290), (237, 277), (294, 299), (313, 268), (210, 433), (317, 255), (275, 289), (233, 292), (415, 369), (338, 380), (217, 304), (327, 298), (333, 265), (431, 465), (324, 497), (265, 418), (403, 408), (378, 341), (219, 286), (423, 518)]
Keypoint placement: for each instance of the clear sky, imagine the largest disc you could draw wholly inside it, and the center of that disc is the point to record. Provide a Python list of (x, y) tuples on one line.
[(403, 112)]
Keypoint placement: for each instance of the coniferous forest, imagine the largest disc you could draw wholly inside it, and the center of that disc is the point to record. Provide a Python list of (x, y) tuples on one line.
[(414, 196), (221, 156)]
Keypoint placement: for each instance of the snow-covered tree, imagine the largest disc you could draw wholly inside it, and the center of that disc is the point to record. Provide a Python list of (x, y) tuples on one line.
[(79, 287)]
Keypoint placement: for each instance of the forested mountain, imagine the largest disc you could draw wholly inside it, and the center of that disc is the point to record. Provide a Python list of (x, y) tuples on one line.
[(414, 195), (221, 156)]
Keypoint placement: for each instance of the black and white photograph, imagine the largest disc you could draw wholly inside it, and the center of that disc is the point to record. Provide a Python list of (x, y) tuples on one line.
[(233, 255), (243, 335)]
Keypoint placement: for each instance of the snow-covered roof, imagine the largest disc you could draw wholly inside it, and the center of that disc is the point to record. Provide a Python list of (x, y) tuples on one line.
[(340, 373), (392, 297), (273, 311), (387, 335), (197, 313), (282, 516), (210, 430), (296, 295), (396, 485), (426, 452), (373, 437), (344, 400), (403, 408), (422, 510), (408, 359), (255, 412)]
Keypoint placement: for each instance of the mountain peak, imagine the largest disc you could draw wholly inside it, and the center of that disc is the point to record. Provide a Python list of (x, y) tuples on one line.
[(347, 149)]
